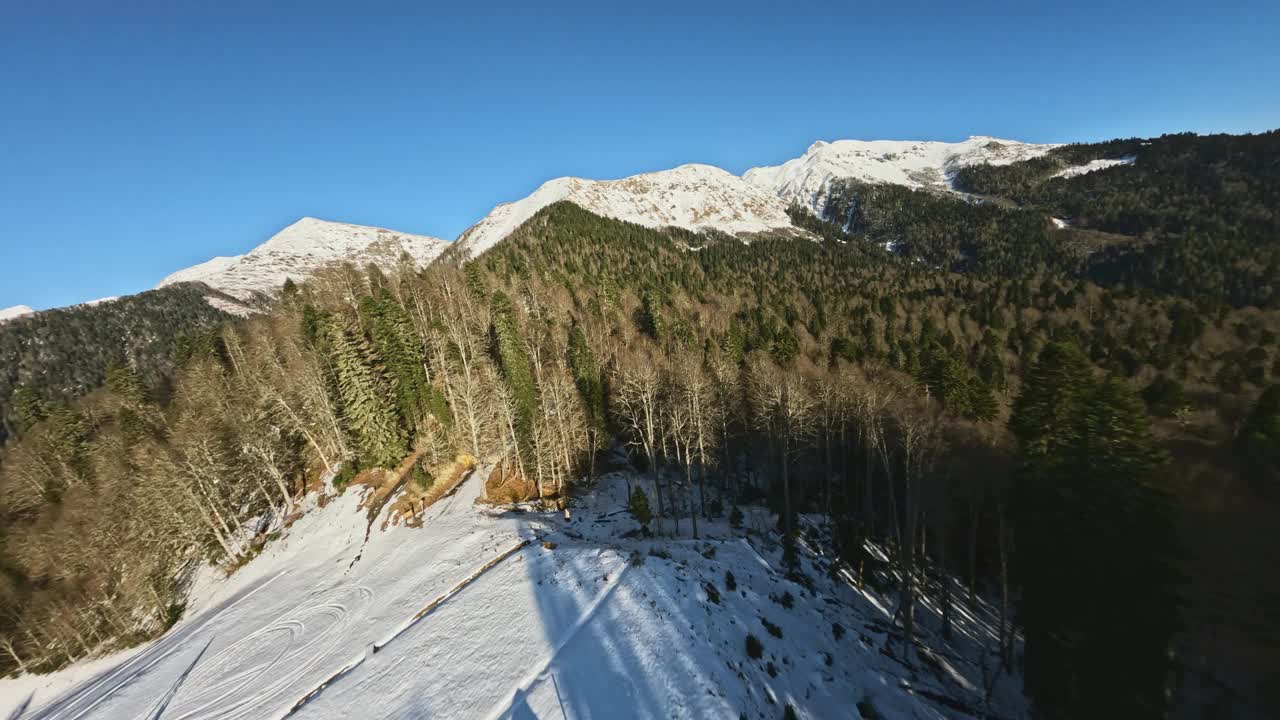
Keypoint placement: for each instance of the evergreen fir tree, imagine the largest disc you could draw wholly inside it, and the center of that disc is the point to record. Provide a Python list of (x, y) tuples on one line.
[(397, 342), (368, 399), (29, 408), (587, 375), (1095, 540), (124, 381), (639, 506), (514, 362)]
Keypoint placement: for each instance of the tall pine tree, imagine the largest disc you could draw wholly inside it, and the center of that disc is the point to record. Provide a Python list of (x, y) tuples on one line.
[(1095, 541)]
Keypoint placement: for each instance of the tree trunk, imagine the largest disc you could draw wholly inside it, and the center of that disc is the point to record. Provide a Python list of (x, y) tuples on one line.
[(688, 478), (974, 514), (786, 488)]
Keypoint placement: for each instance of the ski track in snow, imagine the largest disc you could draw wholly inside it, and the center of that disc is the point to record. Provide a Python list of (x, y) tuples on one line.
[(473, 616), (81, 701)]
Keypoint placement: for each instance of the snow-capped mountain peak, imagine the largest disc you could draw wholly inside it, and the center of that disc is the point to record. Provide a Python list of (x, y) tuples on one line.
[(16, 311), (301, 249), (916, 164), (692, 196)]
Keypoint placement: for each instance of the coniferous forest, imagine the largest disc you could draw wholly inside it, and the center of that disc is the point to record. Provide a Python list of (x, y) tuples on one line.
[(1080, 423)]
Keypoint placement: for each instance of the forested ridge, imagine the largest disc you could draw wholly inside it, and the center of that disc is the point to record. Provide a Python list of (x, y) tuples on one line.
[(1084, 450), (1204, 210), (56, 355)]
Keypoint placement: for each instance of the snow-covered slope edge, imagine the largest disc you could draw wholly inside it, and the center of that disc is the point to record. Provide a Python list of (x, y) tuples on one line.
[(301, 249), (16, 311), (921, 165), (585, 621), (693, 197)]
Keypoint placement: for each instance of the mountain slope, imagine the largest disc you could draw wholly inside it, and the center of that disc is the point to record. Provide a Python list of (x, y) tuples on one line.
[(64, 352), (528, 614), (694, 197), (301, 249), (918, 165)]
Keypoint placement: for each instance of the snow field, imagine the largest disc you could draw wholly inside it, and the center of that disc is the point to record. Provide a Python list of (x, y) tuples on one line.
[(485, 613)]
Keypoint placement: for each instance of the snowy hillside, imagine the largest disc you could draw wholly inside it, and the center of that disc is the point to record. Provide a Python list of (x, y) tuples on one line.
[(690, 196), (1093, 166), (921, 165), (303, 248), (16, 311), (486, 613)]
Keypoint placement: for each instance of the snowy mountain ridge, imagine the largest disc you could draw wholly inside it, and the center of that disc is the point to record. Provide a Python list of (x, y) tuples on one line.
[(303, 248), (923, 165), (16, 311), (698, 197), (693, 197)]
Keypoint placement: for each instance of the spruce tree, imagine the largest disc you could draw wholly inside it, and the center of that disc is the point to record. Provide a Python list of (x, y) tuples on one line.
[(396, 341), (28, 408), (124, 381), (586, 375), (368, 398), (514, 361), (1095, 544), (638, 504)]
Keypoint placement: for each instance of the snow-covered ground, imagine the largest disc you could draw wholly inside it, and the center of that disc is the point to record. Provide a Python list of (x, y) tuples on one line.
[(301, 249), (485, 613), (690, 196), (918, 165), (1094, 166), (16, 311)]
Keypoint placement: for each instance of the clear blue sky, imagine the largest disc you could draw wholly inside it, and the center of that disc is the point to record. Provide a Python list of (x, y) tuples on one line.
[(139, 138)]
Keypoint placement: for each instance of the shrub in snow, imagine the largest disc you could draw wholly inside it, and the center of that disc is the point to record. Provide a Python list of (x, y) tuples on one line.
[(867, 710), (787, 601), (639, 506), (712, 593), (735, 518), (837, 630), (754, 649), (636, 558), (774, 630), (730, 582), (344, 477), (789, 713), (772, 670), (714, 509)]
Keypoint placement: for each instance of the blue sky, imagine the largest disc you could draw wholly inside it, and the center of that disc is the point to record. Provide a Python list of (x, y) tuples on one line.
[(138, 140)]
